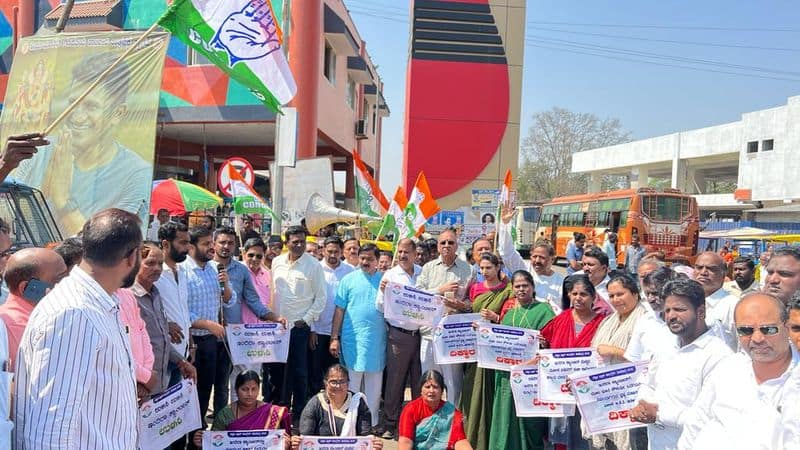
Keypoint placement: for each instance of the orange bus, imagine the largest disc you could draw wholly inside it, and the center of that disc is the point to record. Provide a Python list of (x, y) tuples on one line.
[(665, 220)]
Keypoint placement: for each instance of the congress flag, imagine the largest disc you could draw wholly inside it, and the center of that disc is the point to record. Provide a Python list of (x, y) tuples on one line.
[(241, 37), (421, 206), (369, 197), (245, 199), (394, 215), (505, 189)]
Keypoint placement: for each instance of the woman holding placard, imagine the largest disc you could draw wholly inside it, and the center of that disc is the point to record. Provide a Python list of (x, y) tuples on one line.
[(430, 423), (248, 413), (613, 337), (508, 431), (573, 328), (490, 299)]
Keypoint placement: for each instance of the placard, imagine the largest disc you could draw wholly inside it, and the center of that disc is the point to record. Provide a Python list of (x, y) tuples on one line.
[(336, 443), (525, 389), (556, 365), (606, 394), (502, 346), (169, 415), (454, 340), (254, 343), (407, 304), (245, 440)]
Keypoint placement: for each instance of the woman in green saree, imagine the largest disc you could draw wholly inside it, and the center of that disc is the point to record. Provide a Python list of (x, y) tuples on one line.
[(488, 299), (509, 432)]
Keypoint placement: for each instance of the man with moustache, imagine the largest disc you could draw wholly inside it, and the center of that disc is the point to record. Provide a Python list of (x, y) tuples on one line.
[(320, 339), (402, 351), (744, 277), (790, 412), (351, 252), (676, 378), (74, 361), (741, 401), (709, 271), (595, 264), (209, 291), (783, 273)]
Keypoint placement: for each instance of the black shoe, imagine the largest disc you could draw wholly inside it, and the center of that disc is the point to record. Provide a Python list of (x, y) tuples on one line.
[(388, 434)]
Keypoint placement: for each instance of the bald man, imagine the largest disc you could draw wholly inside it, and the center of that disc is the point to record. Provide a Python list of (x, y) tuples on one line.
[(709, 271), (26, 265), (740, 404)]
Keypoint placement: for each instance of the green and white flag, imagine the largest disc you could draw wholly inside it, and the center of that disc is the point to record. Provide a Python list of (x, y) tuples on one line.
[(394, 215), (241, 37), (245, 199)]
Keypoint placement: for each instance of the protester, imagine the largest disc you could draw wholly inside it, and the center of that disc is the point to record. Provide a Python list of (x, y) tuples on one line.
[(739, 404), (575, 253), (274, 248), (423, 253), (429, 422), (676, 377), (385, 261), (573, 328), (71, 251), (351, 246), (208, 222), (633, 255), (790, 412), (651, 335), (794, 320), (647, 266), (548, 281), (209, 291), (610, 249), (248, 413), (75, 333), (5, 252), (763, 261), (336, 411), (312, 248), (300, 294), (358, 334), (507, 430), (403, 342), (744, 277), (139, 340), (162, 217), (709, 271), (613, 336), (29, 274), (783, 273), (247, 232), (491, 298), (451, 278), (595, 264)]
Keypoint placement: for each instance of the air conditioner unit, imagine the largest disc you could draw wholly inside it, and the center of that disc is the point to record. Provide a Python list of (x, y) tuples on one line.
[(361, 129)]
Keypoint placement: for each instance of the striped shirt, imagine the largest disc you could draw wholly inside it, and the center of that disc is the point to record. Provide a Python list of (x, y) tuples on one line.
[(204, 293), (75, 384)]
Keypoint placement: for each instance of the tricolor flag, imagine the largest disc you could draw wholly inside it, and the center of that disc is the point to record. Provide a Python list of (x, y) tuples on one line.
[(369, 198), (245, 199), (421, 206), (505, 189), (241, 37), (394, 213)]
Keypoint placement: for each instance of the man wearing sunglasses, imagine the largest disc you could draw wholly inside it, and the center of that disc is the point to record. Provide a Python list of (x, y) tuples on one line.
[(741, 401)]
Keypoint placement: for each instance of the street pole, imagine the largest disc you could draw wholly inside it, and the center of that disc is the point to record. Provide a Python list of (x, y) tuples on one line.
[(62, 21), (277, 192)]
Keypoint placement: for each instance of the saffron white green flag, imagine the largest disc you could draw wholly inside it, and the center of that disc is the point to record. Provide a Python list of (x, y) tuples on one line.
[(241, 37), (394, 214), (421, 206), (245, 199), (369, 197)]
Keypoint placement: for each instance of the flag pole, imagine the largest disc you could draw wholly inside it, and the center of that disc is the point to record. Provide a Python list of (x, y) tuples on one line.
[(100, 78)]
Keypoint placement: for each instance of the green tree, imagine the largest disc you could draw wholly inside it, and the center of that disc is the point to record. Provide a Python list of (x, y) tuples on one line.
[(546, 154)]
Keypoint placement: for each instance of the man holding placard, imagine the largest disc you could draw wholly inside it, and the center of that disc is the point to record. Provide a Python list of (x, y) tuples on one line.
[(675, 380), (450, 277), (402, 351)]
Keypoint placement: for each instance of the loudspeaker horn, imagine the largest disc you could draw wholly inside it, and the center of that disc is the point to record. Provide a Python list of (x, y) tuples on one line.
[(319, 213)]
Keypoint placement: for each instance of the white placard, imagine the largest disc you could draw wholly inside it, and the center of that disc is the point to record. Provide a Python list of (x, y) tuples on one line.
[(254, 343), (606, 394), (524, 380), (503, 346), (407, 304), (244, 440), (554, 367), (336, 443), (454, 339), (169, 415)]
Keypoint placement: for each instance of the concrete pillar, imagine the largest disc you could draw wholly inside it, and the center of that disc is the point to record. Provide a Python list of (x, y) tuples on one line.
[(305, 40), (699, 182), (679, 169), (639, 177), (595, 182)]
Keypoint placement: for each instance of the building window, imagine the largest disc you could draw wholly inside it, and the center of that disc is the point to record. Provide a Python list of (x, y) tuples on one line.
[(351, 93), (329, 67), (767, 145), (752, 147), (193, 58)]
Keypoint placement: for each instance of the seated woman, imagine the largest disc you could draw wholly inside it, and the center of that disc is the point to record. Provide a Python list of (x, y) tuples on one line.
[(248, 413), (336, 411), (430, 423)]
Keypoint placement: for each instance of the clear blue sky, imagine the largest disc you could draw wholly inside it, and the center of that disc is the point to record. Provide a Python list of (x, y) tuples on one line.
[(649, 99)]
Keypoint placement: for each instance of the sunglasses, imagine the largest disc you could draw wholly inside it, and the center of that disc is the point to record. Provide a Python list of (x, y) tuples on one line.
[(766, 330), (254, 255), (447, 242)]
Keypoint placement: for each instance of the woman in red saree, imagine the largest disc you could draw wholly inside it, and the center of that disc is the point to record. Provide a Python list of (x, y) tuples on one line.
[(573, 328), (248, 413)]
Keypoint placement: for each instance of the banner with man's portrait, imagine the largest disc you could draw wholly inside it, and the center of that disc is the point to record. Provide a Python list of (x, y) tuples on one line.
[(101, 155)]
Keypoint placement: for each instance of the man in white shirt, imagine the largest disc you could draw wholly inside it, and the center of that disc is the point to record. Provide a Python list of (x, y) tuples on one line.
[(74, 376), (320, 340), (161, 218), (651, 336), (548, 282), (301, 295), (595, 265), (403, 342), (783, 273), (675, 378), (709, 271), (740, 403), (744, 277), (790, 411)]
